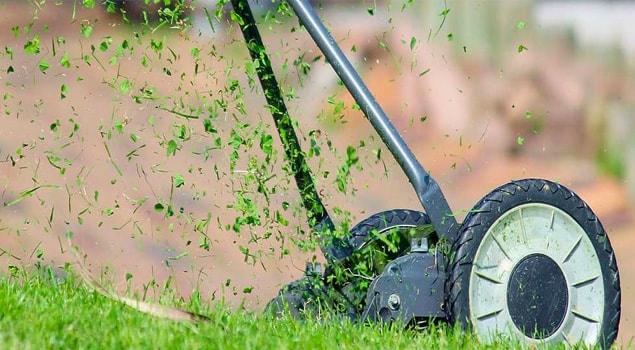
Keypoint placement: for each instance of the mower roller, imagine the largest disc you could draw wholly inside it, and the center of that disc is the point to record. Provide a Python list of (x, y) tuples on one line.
[(530, 262)]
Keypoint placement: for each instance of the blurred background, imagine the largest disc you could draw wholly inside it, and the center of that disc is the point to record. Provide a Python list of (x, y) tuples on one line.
[(483, 92)]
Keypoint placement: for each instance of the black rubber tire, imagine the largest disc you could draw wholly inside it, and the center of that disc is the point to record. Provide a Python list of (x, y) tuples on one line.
[(506, 198)]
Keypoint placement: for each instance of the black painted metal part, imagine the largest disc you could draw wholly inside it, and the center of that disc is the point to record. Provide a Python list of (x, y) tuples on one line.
[(410, 289), (317, 215)]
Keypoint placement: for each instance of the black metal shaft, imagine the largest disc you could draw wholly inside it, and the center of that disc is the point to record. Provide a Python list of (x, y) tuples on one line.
[(319, 219), (427, 189)]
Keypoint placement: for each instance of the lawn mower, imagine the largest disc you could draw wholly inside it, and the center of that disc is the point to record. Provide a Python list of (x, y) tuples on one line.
[(530, 262)]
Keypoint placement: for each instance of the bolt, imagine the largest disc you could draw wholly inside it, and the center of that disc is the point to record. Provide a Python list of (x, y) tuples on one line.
[(394, 302)]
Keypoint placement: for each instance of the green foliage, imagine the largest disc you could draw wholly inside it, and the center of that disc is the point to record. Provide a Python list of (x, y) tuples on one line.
[(32, 46)]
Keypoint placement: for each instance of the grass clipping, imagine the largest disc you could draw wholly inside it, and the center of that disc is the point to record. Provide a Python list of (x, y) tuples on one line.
[(154, 309)]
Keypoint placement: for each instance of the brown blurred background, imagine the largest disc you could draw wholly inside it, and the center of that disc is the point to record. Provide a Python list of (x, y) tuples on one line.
[(500, 90)]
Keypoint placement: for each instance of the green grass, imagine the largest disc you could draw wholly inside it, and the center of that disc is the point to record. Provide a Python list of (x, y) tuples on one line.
[(40, 312)]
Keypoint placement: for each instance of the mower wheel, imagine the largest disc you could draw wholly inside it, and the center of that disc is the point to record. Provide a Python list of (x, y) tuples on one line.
[(534, 264)]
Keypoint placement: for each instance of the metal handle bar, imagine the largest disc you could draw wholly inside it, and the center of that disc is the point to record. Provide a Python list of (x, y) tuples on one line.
[(427, 189)]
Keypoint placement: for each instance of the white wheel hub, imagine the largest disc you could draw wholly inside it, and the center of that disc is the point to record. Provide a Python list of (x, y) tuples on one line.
[(548, 233)]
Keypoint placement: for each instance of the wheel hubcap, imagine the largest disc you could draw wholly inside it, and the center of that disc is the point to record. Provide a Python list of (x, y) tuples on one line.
[(537, 296), (536, 276)]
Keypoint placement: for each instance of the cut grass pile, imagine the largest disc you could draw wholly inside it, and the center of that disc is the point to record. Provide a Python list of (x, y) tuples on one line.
[(38, 311)]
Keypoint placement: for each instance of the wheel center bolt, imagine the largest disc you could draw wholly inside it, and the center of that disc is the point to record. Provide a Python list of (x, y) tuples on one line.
[(394, 302)]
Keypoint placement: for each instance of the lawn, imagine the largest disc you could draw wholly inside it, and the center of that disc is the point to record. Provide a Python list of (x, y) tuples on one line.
[(39, 311)]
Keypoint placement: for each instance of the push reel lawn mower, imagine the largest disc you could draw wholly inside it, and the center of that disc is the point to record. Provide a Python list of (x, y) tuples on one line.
[(531, 261)]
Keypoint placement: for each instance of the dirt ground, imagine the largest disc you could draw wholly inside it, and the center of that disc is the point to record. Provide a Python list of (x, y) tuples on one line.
[(468, 157)]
